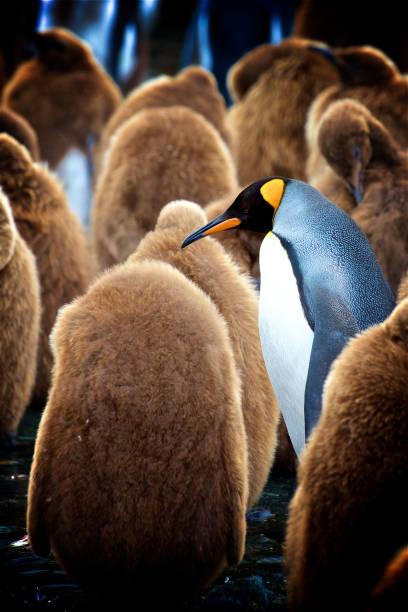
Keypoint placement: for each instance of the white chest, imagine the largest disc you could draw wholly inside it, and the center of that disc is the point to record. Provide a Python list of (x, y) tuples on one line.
[(286, 337)]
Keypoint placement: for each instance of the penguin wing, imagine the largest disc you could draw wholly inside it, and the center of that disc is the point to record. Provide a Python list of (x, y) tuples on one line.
[(335, 324)]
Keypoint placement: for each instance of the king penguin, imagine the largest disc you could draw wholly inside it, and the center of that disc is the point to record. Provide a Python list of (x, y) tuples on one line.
[(321, 284)]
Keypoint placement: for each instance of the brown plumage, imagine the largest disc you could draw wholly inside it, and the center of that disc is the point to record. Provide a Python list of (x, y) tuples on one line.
[(343, 23), (63, 92), (55, 236), (272, 88), (20, 323), (139, 475), (347, 518), (363, 154), (194, 87), (159, 155), (16, 126), (367, 76), (243, 247), (209, 266), (402, 292)]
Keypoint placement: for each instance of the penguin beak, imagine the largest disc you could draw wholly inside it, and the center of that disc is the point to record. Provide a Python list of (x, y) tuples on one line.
[(220, 223)]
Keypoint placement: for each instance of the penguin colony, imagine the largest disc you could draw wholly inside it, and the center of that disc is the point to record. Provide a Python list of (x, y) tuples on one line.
[(161, 408)]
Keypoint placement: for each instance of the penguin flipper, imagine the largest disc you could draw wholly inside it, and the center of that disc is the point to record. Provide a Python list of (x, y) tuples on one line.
[(335, 324)]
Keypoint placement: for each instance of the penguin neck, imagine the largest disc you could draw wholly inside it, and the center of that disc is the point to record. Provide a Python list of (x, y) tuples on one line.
[(304, 208)]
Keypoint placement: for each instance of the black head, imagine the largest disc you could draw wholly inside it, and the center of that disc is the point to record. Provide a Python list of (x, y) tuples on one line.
[(253, 209)]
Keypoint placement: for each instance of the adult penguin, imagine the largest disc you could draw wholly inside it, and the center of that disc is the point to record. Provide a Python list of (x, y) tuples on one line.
[(320, 285)]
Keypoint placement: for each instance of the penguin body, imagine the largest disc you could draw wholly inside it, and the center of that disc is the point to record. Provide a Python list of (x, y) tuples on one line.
[(63, 92), (340, 286), (365, 157), (243, 246), (272, 87), (55, 236), (194, 87), (292, 340), (159, 155), (139, 475), (370, 77), (20, 324), (16, 126), (347, 518), (209, 267)]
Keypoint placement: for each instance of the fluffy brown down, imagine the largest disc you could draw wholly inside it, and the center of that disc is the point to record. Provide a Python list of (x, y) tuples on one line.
[(16, 126), (272, 87), (63, 92), (367, 76), (20, 322), (159, 155), (347, 518), (208, 265), (194, 87), (139, 476), (342, 23), (54, 235), (243, 247), (402, 292), (363, 154)]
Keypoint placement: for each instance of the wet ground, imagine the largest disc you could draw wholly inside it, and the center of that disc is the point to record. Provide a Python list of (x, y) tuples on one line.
[(28, 582)]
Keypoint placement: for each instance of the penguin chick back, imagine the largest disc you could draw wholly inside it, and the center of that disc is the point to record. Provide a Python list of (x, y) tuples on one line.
[(139, 471)]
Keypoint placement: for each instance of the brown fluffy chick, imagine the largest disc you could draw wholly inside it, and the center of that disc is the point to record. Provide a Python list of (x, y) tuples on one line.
[(371, 164), (159, 155), (194, 87), (243, 247), (272, 87), (347, 518), (63, 92), (139, 475), (16, 126), (20, 324), (402, 292), (209, 266), (54, 235), (367, 76)]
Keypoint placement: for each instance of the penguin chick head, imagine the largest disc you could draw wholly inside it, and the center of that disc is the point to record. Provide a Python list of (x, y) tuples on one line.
[(253, 209)]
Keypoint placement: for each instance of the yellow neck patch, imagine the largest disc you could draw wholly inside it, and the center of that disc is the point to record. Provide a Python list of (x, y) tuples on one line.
[(272, 192)]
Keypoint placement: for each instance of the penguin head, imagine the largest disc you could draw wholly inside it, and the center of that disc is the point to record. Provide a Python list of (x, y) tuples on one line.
[(253, 209)]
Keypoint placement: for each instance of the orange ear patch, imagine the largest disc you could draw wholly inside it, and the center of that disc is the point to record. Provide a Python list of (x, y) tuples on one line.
[(272, 192)]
